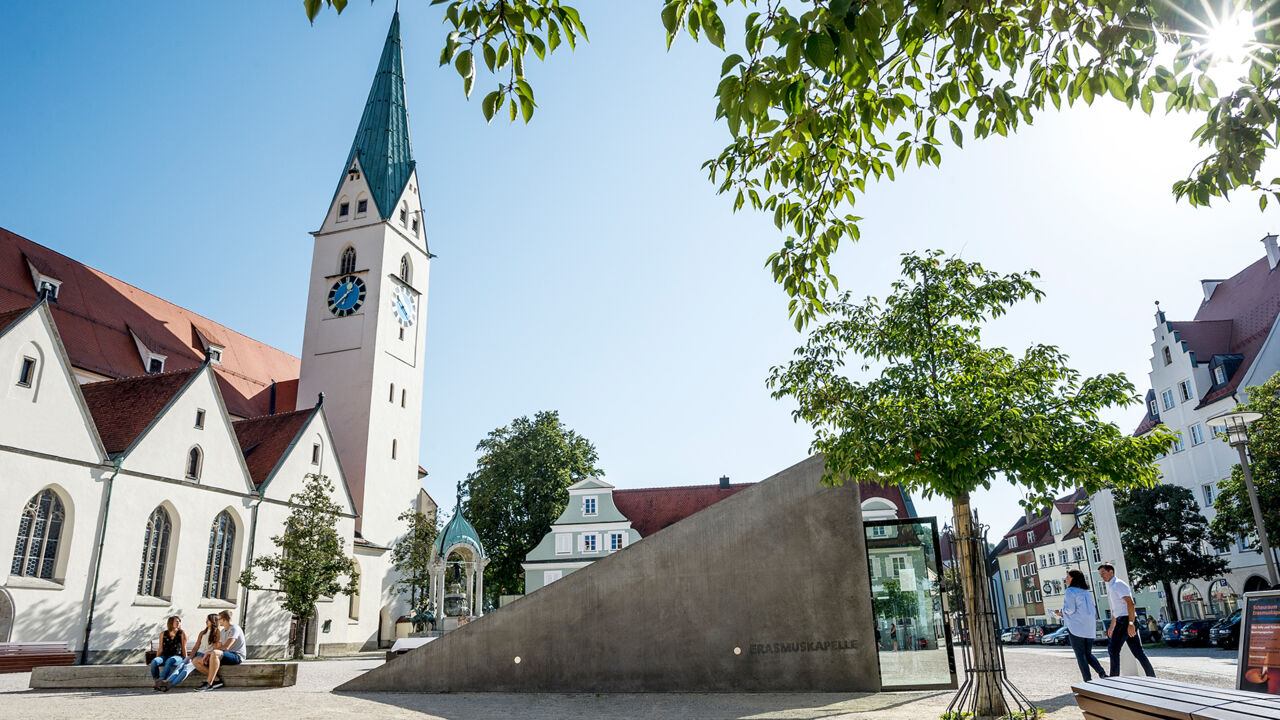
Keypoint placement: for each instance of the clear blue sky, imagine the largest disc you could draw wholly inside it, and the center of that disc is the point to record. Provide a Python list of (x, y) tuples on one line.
[(585, 263)]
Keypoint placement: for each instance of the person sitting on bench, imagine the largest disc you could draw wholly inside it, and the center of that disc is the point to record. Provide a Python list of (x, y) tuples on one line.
[(229, 650), (172, 655), (204, 643)]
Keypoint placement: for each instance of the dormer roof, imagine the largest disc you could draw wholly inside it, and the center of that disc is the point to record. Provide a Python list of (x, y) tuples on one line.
[(122, 410), (265, 440)]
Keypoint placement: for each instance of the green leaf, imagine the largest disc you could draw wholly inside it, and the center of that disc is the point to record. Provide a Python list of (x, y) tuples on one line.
[(670, 18), (819, 50), (490, 105), (490, 57), (957, 136), (1147, 100), (729, 63), (714, 27), (1206, 84), (465, 64), (794, 98), (312, 8)]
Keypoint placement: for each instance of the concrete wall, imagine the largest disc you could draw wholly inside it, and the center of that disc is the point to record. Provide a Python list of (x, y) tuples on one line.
[(766, 590)]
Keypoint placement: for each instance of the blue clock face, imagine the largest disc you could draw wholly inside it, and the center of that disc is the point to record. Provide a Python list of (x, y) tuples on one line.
[(346, 296), (402, 305)]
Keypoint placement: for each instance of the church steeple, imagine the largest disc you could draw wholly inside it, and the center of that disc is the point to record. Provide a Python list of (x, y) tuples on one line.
[(381, 147)]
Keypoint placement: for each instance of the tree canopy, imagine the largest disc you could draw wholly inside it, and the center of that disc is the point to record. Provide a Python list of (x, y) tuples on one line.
[(822, 97), (1233, 512), (520, 486), (1165, 538), (411, 557), (311, 561), (946, 415)]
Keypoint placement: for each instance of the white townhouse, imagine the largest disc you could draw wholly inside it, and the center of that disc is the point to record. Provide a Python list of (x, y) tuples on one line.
[(1201, 368), (147, 454)]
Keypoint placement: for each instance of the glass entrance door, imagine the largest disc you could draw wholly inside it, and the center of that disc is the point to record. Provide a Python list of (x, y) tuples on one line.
[(912, 637)]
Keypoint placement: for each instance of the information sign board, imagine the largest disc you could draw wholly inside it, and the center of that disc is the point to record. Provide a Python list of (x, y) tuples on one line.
[(1259, 664)]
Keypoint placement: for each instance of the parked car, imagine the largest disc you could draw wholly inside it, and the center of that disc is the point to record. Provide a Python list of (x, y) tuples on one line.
[(1016, 635), (1057, 637), (1187, 632), (1226, 632)]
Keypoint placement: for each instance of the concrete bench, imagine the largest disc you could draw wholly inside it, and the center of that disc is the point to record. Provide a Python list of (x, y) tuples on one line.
[(22, 657), (95, 677), (1140, 698)]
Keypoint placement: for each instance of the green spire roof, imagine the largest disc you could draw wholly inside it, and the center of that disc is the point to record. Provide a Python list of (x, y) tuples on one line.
[(458, 531), (382, 140)]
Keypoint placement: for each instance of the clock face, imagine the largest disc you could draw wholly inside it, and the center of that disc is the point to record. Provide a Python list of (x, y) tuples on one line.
[(346, 296), (403, 306)]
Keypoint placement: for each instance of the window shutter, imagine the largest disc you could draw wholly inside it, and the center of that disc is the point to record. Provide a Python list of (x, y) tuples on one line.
[(582, 542)]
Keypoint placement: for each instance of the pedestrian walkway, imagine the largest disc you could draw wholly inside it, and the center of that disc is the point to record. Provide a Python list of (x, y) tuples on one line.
[(1044, 674)]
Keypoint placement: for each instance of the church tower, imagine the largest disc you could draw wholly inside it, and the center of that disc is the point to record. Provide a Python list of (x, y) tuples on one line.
[(364, 342)]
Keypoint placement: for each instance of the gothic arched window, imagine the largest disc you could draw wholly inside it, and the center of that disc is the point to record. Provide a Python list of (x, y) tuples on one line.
[(217, 571), (348, 264), (155, 553), (406, 270), (35, 554), (194, 462)]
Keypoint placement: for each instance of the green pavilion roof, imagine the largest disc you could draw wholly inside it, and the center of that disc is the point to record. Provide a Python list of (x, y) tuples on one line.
[(458, 532)]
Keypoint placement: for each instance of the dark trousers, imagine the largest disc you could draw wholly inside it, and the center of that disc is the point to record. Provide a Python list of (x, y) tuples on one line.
[(1083, 648), (1119, 638)]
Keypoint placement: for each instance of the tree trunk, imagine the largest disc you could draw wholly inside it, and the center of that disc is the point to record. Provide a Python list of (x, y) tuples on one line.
[(300, 640), (987, 671), (1171, 602)]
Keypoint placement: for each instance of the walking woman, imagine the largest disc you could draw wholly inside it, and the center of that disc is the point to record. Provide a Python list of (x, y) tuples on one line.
[(172, 655), (1081, 619)]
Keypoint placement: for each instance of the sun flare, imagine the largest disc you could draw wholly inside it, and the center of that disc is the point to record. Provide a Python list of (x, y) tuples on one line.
[(1230, 39)]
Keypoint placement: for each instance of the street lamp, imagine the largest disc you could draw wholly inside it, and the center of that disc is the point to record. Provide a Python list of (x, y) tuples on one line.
[(1236, 425)]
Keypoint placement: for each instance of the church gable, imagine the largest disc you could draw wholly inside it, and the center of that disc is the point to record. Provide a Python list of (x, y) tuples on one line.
[(310, 450), (40, 404), (192, 439)]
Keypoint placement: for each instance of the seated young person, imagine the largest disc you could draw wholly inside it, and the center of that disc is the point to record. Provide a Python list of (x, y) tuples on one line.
[(229, 650), (205, 641), (172, 655)]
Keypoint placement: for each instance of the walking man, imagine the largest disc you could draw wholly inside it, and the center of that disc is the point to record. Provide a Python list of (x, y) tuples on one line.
[(1122, 631)]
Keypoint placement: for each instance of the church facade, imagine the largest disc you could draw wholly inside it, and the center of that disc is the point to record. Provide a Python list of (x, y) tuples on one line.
[(148, 454)]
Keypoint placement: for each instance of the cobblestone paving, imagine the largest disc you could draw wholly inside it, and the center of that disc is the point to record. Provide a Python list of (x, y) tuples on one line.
[(1044, 674)]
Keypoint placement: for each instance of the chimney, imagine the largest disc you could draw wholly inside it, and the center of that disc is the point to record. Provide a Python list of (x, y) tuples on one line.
[(1208, 286), (1273, 252), (724, 482), (271, 399)]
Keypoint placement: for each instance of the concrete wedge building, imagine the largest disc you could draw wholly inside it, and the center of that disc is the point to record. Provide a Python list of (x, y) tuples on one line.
[(767, 590)]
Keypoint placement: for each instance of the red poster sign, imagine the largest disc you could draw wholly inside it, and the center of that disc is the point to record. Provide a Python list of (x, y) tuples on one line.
[(1259, 668)]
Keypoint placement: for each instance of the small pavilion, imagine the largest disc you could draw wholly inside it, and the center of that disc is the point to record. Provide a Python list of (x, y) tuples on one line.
[(464, 595)]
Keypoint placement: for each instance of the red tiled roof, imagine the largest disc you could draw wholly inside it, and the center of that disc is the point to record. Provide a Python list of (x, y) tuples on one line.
[(651, 509), (1146, 425), (7, 318), (122, 409), (1075, 533), (1023, 526), (1250, 301), (95, 312), (1205, 338), (264, 440)]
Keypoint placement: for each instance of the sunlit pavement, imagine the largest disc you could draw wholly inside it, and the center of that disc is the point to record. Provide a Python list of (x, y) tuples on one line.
[(1044, 674)]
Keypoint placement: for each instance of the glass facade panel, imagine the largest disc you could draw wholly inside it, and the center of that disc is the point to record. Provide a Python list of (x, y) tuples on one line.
[(906, 599)]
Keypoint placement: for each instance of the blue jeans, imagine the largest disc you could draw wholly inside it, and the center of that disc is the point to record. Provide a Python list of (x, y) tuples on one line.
[(181, 673), (1083, 648), (162, 667)]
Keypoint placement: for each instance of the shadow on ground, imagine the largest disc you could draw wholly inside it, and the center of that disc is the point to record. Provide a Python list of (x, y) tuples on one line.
[(653, 706)]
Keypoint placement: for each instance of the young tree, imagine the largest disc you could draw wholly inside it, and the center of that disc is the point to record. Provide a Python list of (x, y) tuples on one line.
[(311, 562), (1165, 537), (520, 486), (1234, 513), (823, 97), (946, 415), (411, 557)]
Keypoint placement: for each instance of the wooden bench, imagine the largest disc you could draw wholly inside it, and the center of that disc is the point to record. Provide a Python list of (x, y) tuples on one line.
[(22, 657), (96, 677), (1144, 698)]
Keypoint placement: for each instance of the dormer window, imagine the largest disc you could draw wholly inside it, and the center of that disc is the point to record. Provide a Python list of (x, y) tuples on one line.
[(214, 353), (1220, 375), (155, 365), (48, 289), (588, 506), (1031, 537), (1013, 541), (1154, 407), (1168, 358)]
